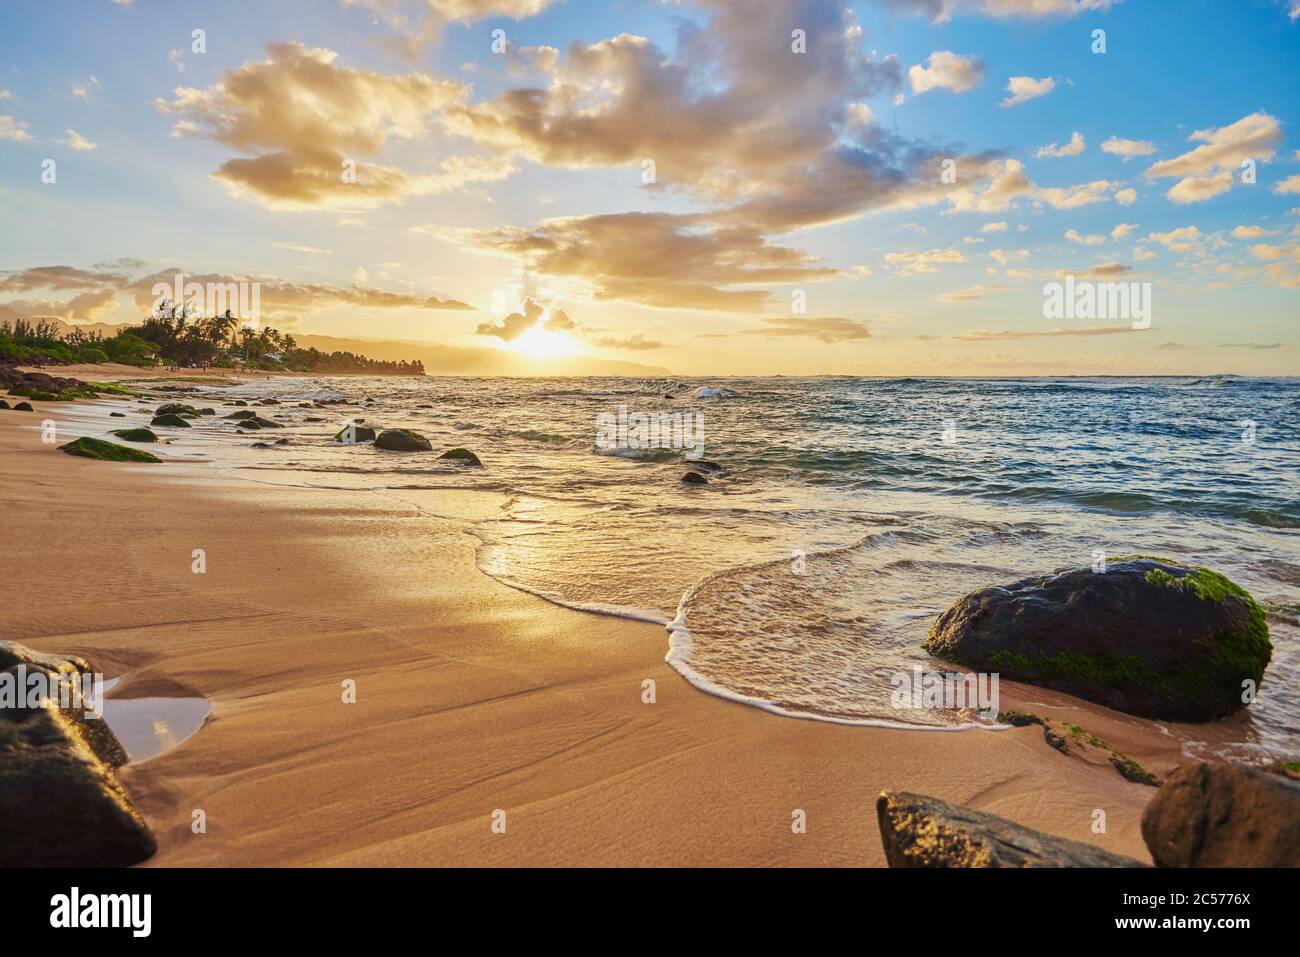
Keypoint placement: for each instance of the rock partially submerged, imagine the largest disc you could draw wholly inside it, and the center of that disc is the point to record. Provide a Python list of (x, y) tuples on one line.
[(1148, 636), (1224, 815), (464, 456), (359, 433), (107, 451), (136, 435), (403, 440), (60, 803), (170, 420), (177, 408), (920, 831), (694, 478)]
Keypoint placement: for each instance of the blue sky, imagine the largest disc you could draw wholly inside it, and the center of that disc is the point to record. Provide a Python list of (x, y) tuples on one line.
[(776, 175)]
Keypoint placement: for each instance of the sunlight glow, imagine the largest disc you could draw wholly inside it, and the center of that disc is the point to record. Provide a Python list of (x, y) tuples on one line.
[(541, 343)]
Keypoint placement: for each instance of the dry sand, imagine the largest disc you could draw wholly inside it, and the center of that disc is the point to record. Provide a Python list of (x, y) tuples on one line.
[(472, 696)]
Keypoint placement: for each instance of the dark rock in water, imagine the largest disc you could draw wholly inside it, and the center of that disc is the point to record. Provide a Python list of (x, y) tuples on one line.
[(1148, 636), (116, 415), (170, 420), (177, 408), (5, 405), (694, 478), (464, 456), (136, 435), (314, 418), (239, 402), (207, 411), (360, 433), (920, 831), (281, 441), (268, 401), (402, 440), (703, 465), (245, 414), (262, 423), (261, 445), (60, 803), (107, 451), (1224, 815), (23, 407)]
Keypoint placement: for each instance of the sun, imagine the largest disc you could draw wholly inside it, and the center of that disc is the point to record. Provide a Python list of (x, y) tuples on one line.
[(541, 343)]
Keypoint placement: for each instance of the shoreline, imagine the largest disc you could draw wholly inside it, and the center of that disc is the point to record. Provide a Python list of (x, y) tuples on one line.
[(471, 696)]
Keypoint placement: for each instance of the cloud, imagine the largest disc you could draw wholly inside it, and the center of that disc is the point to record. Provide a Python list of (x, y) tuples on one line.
[(11, 129), (1122, 230), (912, 262), (304, 119), (1026, 88), (517, 323), (1008, 256), (1288, 186), (1103, 271), (59, 278), (76, 141), (993, 228), (658, 259), (828, 329), (1210, 169), (981, 335), (1179, 240), (81, 91), (940, 11), (1127, 149), (1072, 148), (295, 247), (947, 71), (85, 307), (1090, 240), (1125, 197), (1252, 232), (634, 343), (1252, 345), (972, 293)]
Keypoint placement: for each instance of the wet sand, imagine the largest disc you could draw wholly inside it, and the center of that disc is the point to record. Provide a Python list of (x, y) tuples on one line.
[(471, 696)]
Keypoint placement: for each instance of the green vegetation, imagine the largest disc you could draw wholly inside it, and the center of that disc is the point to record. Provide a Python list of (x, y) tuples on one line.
[(177, 408), (174, 336), (107, 451), (136, 435)]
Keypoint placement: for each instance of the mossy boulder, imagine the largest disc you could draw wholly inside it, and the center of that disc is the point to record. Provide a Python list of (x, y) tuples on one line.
[(360, 433), (1148, 636), (136, 435), (402, 440), (463, 456), (242, 414), (3, 404), (177, 408), (171, 420), (23, 407), (107, 451), (60, 802)]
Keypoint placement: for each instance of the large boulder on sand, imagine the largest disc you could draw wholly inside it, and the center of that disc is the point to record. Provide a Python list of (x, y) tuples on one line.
[(1148, 636), (60, 802), (920, 831), (403, 440), (1224, 815)]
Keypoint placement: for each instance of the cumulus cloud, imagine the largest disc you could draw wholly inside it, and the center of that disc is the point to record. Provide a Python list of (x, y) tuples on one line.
[(1179, 240), (74, 140), (947, 71), (11, 129), (1072, 148), (1210, 169), (923, 261), (311, 127), (1093, 239), (1022, 89), (1289, 186), (1127, 149), (534, 314), (972, 293)]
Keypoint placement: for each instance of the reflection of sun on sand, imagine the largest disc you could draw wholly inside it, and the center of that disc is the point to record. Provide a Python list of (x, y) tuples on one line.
[(470, 696)]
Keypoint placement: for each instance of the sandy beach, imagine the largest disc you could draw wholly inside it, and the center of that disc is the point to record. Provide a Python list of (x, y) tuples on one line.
[(471, 696)]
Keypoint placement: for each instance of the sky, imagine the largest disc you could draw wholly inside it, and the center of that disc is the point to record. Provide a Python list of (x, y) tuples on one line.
[(728, 187)]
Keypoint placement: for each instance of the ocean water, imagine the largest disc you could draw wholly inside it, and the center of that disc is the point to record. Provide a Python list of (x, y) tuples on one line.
[(850, 512)]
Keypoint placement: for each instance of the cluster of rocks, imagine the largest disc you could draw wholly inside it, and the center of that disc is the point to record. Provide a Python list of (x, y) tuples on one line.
[(1203, 815), (1148, 636)]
